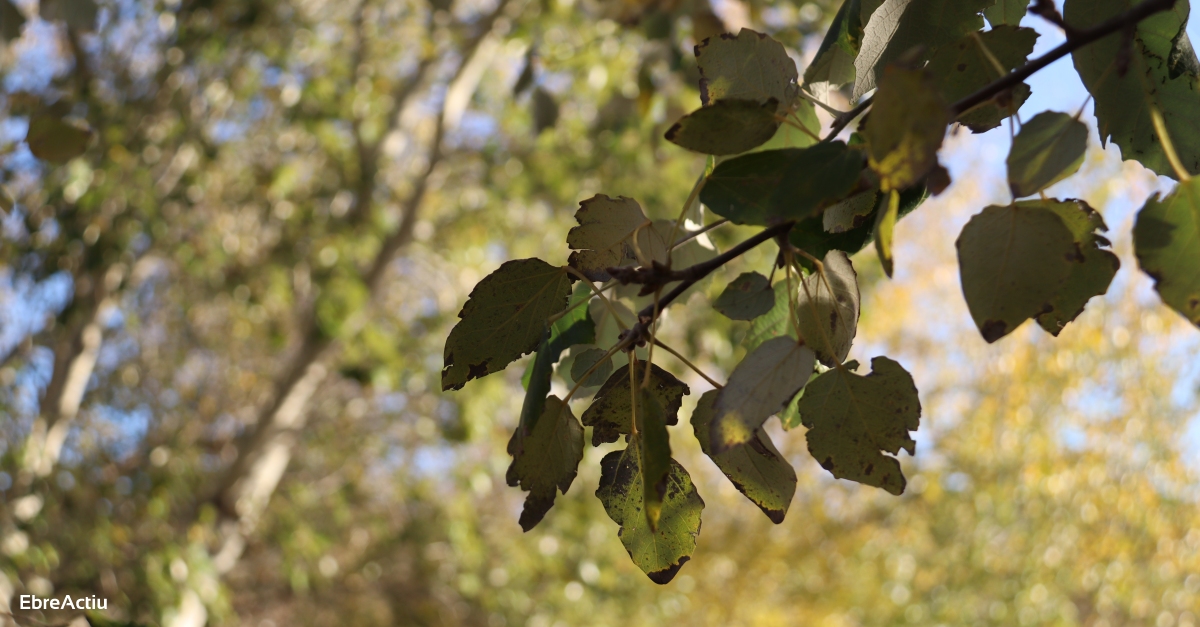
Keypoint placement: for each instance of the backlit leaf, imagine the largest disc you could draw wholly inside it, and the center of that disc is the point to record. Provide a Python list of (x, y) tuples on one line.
[(726, 127), (885, 229), (612, 408), (764, 188), (1048, 149), (746, 298), (849, 214), (545, 459), (1006, 12), (661, 552), (760, 386), (588, 358), (656, 454), (811, 237), (605, 236), (853, 420), (961, 68), (827, 308), (749, 66), (833, 65), (898, 26), (776, 322), (1162, 73), (756, 468), (576, 327), (1013, 261), (905, 128), (504, 318), (1088, 279), (1167, 241)]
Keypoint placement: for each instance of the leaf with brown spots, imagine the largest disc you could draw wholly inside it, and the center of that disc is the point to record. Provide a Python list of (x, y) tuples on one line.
[(662, 551), (1013, 262), (853, 420), (827, 308), (756, 468), (611, 409), (761, 385), (546, 459), (1088, 279)]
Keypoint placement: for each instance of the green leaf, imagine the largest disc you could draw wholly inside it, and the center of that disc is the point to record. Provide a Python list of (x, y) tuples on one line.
[(1007, 12), (605, 236), (588, 358), (962, 68), (789, 418), (746, 298), (760, 386), (757, 469), (749, 66), (905, 128), (1162, 74), (611, 410), (54, 140), (885, 228), (655, 454), (1093, 276), (576, 327), (833, 65), (726, 127), (852, 420), (1013, 262), (788, 136), (11, 21), (849, 214), (900, 25), (1166, 239), (661, 552), (545, 459), (827, 308), (504, 318), (1048, 149), (764, 188), (810, 235), (774, 323)]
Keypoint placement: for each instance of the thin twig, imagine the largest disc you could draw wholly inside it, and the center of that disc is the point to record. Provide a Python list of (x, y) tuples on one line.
[(846, 118), (688, 363), (607, 303)]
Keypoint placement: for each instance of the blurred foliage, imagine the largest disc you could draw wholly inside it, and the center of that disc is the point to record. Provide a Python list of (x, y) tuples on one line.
[(219, 198)]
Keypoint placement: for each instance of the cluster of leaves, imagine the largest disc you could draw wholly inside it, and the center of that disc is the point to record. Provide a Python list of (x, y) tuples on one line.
[(822, 200)]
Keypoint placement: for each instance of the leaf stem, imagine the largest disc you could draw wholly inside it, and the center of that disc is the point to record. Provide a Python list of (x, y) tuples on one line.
[(694, 234), (688, 364), (841, 121), (583, 301), (1160, 129), (608, 303)]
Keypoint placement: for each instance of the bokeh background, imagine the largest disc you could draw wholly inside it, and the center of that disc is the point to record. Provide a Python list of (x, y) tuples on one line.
[(231, 310)]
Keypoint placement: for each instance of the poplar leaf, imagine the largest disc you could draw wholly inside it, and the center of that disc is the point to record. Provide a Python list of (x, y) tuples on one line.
[(1088, 279), (811, 237), (1006, 12), (853, 420), (885, 229), (749, 66), (660, 552), (1166, 239), (760, 386), (1163, 73), (764, 188), (905, 128), (612, 408), (726, 127), (850, 213), (545, 459), (588, 358), (656, 454), (605, 236), (962, 68), (757, 469), (1048, 149), (833, 65), (746, 298), (898, 26), (503, 319), (576, 327), (1013, 261), (827, 309), (774, 323)]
